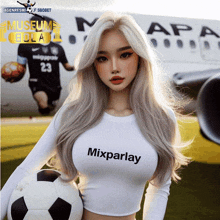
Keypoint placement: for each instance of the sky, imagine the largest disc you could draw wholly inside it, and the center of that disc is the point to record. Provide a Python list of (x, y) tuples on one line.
[(200, 9)]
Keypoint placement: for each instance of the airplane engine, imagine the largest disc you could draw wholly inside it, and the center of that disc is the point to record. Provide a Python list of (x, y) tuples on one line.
[(208, 109)]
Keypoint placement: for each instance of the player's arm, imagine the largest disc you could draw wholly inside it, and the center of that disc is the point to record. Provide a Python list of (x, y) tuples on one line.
[(68, 67), (21, 57), (64, 60), (24, 65), (20, 60), (21, 3)]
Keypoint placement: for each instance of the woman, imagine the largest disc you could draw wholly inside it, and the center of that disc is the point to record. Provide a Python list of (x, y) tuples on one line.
[(117, 131)]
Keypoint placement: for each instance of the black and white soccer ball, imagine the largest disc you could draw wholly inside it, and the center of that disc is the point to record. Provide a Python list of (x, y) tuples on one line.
[(43, 195)]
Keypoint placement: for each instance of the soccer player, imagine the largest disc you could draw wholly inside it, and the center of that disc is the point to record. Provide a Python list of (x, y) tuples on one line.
[(43, 62), (28, 6)]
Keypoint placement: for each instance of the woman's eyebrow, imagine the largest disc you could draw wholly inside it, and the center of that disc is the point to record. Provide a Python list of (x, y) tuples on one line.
[(120, 49), (124, 48)]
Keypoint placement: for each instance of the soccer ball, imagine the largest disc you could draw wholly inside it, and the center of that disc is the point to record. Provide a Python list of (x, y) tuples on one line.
[(12, 72), (45, 196)]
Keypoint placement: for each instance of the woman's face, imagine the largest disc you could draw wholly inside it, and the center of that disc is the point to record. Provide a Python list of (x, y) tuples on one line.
[(116, 63)]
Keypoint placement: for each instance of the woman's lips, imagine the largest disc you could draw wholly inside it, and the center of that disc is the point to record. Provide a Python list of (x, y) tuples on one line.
[(116, 80)]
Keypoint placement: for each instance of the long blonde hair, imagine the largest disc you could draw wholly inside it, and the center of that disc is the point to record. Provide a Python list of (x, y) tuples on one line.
[(149, 101)]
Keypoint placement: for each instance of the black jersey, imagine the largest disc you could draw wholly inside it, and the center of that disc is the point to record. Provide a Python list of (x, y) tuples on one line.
[(43, 62)]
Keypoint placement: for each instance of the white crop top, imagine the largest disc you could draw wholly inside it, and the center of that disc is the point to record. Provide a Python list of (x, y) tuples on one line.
[(114, 161)]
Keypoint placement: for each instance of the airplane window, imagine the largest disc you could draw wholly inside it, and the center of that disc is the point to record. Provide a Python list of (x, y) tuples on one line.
[(85, 37), (166, 43), (219, 45), (179, 43), (72, 39), (154, 42), (192, 44), (206, 45)]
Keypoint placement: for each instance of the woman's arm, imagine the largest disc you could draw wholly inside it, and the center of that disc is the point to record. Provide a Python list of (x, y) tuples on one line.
[(156, 201), (156, 197), (37, 158)]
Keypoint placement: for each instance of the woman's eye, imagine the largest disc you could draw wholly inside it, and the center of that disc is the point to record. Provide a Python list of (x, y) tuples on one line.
[(126, 55), (101, 59)]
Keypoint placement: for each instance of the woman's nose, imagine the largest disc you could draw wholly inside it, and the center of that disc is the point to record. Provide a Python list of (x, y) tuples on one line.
[(115, 66)]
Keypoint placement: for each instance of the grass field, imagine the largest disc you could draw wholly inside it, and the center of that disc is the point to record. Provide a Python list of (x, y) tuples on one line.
[(195, 197)]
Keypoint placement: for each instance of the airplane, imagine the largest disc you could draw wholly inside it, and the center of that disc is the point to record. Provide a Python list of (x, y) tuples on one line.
[(189, 50)]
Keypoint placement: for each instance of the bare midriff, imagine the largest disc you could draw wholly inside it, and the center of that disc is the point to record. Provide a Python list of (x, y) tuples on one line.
[(87, 215)]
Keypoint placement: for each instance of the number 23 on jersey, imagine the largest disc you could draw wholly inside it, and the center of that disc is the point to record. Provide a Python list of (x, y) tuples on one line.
[(46, 67)]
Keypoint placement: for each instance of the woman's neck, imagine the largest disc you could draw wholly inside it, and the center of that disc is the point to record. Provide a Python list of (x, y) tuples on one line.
[(119, 104)]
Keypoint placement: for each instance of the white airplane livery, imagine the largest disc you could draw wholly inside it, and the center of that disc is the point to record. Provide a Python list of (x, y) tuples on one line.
[(188, 48)]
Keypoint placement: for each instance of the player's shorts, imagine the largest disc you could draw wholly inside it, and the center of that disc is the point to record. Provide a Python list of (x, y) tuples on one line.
[(53, 93)]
